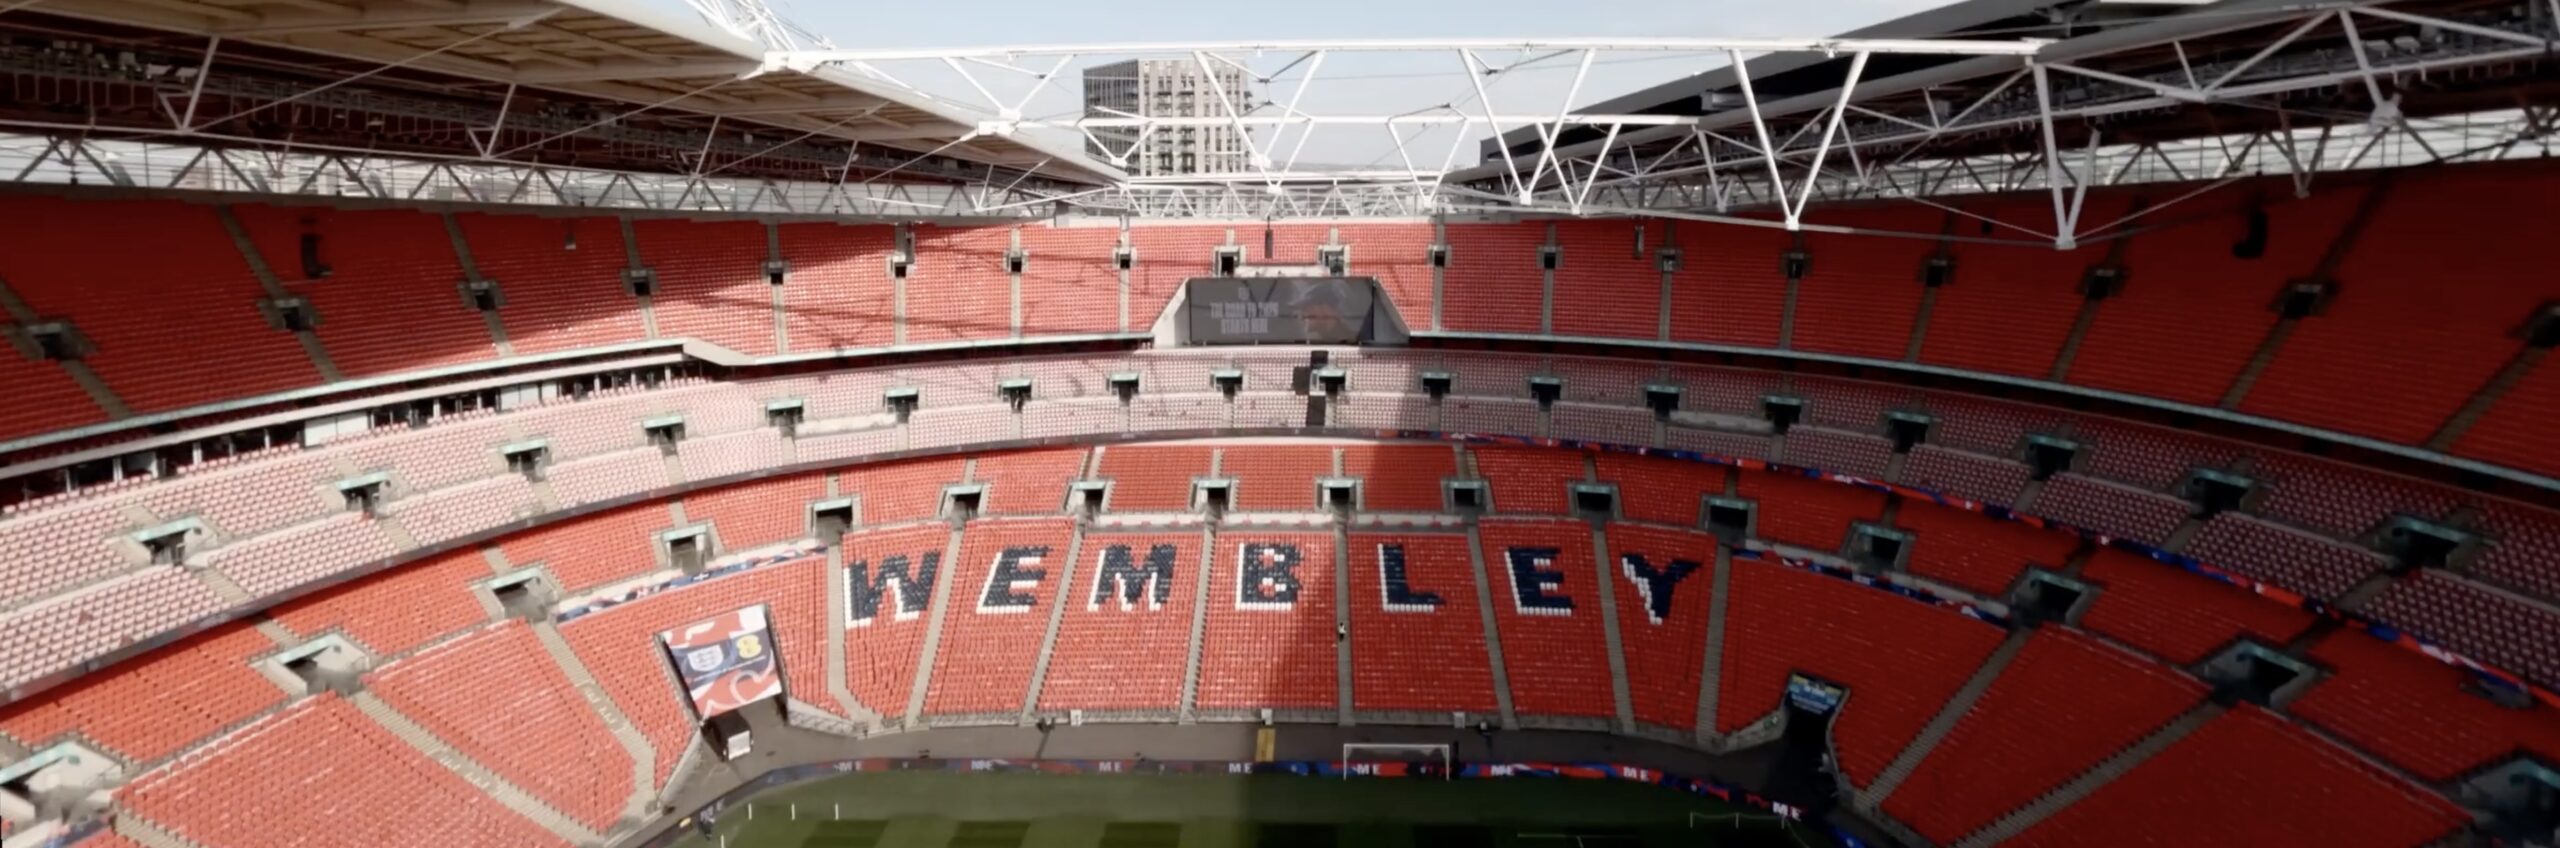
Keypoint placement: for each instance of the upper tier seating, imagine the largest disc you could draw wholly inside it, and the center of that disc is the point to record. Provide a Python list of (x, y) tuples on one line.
[(2011, 307), (194, 336), (710, 281), (1861, 295), (949, 296), (555, 297), (1730, 289), (838, 293), (1493, 272), (2063, 704), (1601, 274), (2412, 334), (391, 302), (2249, 778), (2190, 314)]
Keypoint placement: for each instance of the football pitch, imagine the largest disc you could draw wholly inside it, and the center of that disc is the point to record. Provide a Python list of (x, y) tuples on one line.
[(1018, 810)]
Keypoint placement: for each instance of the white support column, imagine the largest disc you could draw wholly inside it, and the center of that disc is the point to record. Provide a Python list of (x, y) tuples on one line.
[(2053, 170)]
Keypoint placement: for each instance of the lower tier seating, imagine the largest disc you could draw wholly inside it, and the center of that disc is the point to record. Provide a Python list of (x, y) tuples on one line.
[(1664, 582), (2249, 778), (499, 699), (997, 613), (2063, 704), (1417, 631), (1256, 603), (159, 705), (890, 579), (1127, 619), (2415, 712), (1546, 608), (326, 776), (1899, 658), (1269, 637)]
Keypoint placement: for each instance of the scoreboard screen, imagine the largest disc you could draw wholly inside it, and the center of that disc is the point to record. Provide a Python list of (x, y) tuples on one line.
[(1282, 310), (726, 662)]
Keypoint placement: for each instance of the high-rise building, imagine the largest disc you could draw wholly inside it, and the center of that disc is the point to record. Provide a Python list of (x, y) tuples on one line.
[(1168, 88)]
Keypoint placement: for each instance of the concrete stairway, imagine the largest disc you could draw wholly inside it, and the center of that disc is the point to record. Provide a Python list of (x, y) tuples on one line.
[(933, 628), (274, 288), (1057, 621), (148, 834), (837, 686), (499, 789), (1710, 678), (1622, 694), (1492, 635), (644, 759), (2017, 821), (1189, 708)]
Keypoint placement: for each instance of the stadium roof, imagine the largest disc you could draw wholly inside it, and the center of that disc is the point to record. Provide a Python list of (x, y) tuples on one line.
[(612, 103), (601, 84)]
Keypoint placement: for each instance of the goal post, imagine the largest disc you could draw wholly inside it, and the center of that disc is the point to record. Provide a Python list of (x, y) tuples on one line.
[(1399, 751)]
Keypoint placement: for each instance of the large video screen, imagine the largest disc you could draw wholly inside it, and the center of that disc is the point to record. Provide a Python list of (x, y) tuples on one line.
[(1282, 310), (727, 661)]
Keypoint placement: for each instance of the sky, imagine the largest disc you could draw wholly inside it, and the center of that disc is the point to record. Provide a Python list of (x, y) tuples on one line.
[(1347, 83)]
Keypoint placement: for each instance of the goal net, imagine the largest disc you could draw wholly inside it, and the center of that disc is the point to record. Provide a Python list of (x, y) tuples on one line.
[(1435, 755)]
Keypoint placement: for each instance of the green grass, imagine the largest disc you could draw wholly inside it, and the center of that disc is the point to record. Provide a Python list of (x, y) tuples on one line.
[(965, 810)]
